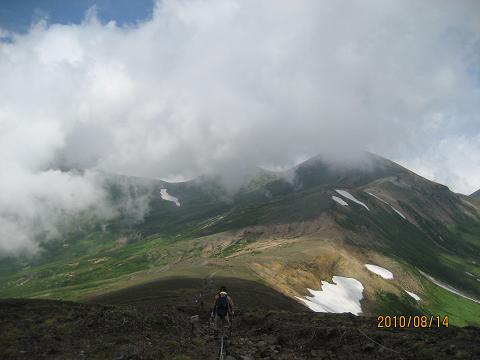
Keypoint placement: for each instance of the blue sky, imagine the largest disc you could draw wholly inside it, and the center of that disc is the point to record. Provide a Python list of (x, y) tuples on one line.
[(18, 15)]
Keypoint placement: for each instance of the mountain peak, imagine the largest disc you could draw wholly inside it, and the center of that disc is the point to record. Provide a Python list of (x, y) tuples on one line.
[(354, 171)]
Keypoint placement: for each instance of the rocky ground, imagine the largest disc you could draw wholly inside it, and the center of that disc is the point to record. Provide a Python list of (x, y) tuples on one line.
[(45, 329)]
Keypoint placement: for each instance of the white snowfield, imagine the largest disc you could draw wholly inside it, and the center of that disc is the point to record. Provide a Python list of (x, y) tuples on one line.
[(398, 212), (448, 287), (340, 201), (384, 273), (413, 295), (342, 296), (166, 196), (349, 196)]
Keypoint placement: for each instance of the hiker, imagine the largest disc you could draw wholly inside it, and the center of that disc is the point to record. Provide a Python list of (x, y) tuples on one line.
[(199, 299), (222, 309)]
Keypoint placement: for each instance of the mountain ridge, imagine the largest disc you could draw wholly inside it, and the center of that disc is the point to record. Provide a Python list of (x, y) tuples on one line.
[(475, 195), (285, 230)]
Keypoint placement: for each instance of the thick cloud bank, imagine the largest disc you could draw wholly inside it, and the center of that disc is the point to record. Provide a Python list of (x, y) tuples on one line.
[(207, 85)]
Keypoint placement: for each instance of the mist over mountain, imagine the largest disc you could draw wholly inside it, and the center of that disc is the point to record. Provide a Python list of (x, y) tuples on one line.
[(304, 163), (217, 87), (365, 236)]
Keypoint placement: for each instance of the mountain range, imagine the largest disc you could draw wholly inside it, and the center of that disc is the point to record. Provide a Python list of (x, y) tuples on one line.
[(368, 237)]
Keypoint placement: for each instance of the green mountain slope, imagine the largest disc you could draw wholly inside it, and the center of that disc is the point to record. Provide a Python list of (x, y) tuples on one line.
[(284, 230)]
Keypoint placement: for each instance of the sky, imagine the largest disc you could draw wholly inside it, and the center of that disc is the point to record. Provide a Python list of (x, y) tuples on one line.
[(18, 16), (175, 89)]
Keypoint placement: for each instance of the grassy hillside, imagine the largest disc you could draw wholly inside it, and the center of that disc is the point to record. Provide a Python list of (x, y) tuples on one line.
[(286, 233)]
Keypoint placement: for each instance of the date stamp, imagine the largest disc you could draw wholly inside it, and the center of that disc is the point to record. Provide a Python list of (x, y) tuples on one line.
[(412, 321)]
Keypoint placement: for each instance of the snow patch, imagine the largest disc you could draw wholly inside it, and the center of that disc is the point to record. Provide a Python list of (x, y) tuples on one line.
[(212, 221), (349, 196), (342, 296), (166, 196), (384, 273), (413, 295), (398, 212), (448, 287), (339, 200)]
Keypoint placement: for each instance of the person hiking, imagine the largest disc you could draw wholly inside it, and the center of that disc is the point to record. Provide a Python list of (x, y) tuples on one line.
[(199, 299), (223, 308)]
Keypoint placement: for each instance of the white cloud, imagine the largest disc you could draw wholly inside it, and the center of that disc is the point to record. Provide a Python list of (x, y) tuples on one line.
[(454, 161), (40, 206), (208, 85)]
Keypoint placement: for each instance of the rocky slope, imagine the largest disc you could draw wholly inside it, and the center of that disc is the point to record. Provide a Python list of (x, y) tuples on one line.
[(45, 329)]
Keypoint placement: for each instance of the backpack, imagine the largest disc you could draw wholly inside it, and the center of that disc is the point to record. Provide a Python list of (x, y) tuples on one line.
[(222, 305)]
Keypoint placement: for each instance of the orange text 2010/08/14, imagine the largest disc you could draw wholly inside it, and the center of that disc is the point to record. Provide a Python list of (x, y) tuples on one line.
[(412, 321)]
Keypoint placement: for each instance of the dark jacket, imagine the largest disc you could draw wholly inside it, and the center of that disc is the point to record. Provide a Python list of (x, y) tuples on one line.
[(230, 304)]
